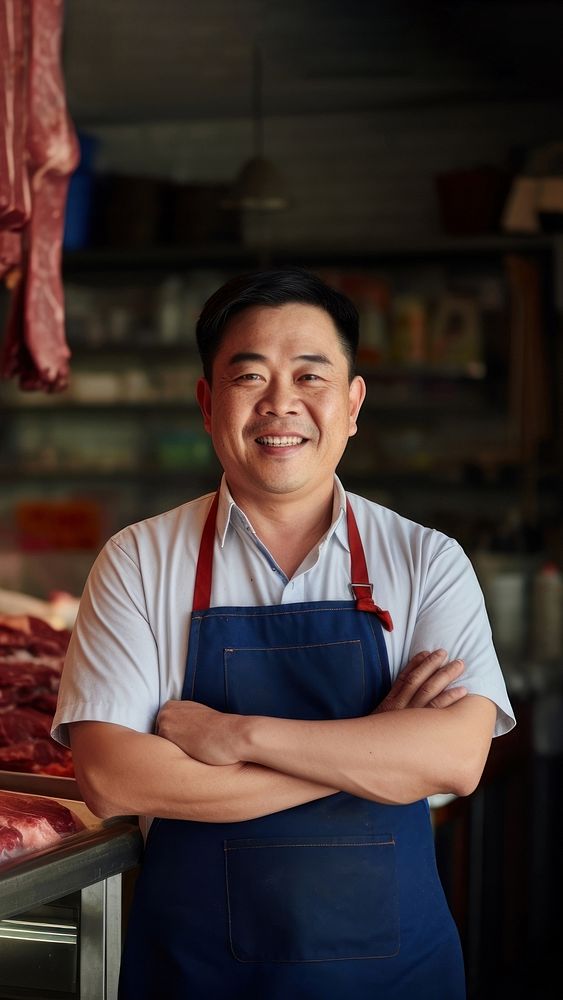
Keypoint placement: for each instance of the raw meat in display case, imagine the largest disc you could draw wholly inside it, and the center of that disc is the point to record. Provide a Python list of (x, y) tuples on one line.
[(31, 661), (32, 822)]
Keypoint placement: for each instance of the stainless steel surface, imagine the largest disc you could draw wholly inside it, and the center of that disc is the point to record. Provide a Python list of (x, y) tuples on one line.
[(100, 939), (79, 861), (70, 948), (113, 934), (39, 951), (43, 948), (38, 930), (40, 784)]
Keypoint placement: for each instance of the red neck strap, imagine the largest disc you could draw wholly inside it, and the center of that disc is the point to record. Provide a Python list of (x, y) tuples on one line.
[(361, 587), (202, 588)]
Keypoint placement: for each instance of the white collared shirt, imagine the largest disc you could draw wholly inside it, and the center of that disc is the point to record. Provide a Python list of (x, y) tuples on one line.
[(127, 653), (263, 581)]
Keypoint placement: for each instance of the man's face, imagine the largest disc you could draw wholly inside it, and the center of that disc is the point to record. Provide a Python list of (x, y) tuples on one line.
[(281, 407)]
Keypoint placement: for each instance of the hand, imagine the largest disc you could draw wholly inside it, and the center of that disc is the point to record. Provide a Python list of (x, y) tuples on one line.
[(423, 683), (204, 734)]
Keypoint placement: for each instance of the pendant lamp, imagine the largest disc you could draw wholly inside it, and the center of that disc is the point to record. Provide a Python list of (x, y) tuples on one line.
[(259, 185)]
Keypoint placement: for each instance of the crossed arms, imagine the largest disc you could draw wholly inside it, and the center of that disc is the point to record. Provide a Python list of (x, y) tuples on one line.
[(216, 767)]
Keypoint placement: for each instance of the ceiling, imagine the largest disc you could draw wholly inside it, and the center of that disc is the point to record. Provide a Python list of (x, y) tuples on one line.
[(138, 61)]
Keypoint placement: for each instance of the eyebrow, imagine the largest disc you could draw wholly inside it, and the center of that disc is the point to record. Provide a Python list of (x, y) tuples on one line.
[(320, 359)]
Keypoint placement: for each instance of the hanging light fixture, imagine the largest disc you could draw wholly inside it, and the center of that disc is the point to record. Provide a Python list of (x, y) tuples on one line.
[(259, 185)]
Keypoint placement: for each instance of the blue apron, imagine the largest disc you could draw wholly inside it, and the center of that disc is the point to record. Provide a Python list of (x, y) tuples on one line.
[(337, 899)]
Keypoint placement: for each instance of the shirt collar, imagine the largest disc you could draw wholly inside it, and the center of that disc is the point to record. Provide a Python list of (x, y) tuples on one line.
[(339, 525), (228, 513)]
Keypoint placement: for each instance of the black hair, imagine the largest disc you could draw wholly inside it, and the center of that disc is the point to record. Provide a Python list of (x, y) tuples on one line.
[(274, 288)]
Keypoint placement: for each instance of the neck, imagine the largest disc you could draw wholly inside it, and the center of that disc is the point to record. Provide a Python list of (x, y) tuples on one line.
[(289, 527)]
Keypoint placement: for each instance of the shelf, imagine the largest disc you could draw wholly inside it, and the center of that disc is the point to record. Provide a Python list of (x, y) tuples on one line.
[(186, 351), (152, 476), (95, 409), (425, 480), (148, 349), (423, 403), (408, 408), (403, 391), (423, 373), (165, 258), (157, 258)]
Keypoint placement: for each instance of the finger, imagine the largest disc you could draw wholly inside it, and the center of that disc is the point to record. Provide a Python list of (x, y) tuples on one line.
[(400, 693), (436, 683), (416, 660), (415, 675), (449, 697), (417, 671), (424, 663)]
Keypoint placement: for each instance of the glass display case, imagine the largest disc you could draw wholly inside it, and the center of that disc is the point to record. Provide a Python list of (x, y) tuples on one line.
[(61, 907)]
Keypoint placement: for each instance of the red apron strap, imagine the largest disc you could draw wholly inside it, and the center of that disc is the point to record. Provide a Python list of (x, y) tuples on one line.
[(361, 586), (202, 588)]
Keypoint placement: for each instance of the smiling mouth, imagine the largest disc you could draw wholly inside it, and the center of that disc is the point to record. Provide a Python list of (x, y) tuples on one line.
[(285, 441)]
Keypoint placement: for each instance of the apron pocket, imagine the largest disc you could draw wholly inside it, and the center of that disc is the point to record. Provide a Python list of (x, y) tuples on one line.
[(315, 681), (312, 899)]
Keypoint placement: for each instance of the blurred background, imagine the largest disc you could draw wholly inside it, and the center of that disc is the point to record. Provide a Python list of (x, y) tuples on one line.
[(411, 154)]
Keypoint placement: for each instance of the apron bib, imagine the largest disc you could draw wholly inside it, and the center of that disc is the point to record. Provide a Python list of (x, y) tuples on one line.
[(331, 900)]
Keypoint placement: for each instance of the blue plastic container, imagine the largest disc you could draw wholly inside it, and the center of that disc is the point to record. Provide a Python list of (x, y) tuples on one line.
[(78, 214)]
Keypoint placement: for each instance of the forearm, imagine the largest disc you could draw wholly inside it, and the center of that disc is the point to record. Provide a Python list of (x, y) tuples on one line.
[(122, 772), (395, 757)]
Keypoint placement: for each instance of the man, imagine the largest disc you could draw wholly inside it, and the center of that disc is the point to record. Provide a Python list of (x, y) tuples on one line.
[(292, 856)]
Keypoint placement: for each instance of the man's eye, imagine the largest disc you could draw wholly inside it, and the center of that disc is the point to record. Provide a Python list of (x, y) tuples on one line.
[(247, 377), (309, 377)]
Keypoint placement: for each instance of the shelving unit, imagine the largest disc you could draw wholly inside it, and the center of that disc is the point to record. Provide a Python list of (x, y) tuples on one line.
[(435, 441)]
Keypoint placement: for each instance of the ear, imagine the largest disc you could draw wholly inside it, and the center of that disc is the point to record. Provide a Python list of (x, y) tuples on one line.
[(203, 393), (357, 394)]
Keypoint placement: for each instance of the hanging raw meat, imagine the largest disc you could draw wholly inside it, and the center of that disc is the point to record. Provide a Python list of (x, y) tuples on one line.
[(15, 197), (38, 152)]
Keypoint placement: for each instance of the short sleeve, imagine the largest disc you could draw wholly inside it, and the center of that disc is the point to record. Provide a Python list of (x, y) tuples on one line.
[(110, 672), (452, 616)]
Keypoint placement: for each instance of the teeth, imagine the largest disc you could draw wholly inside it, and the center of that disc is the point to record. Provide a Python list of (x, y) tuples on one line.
[(280, 442)]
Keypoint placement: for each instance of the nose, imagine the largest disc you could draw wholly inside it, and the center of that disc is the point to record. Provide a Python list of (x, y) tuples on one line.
[(279, 398)]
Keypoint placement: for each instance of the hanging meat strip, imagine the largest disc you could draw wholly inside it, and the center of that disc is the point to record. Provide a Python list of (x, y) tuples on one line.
[(40, 150), (15, 197)]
